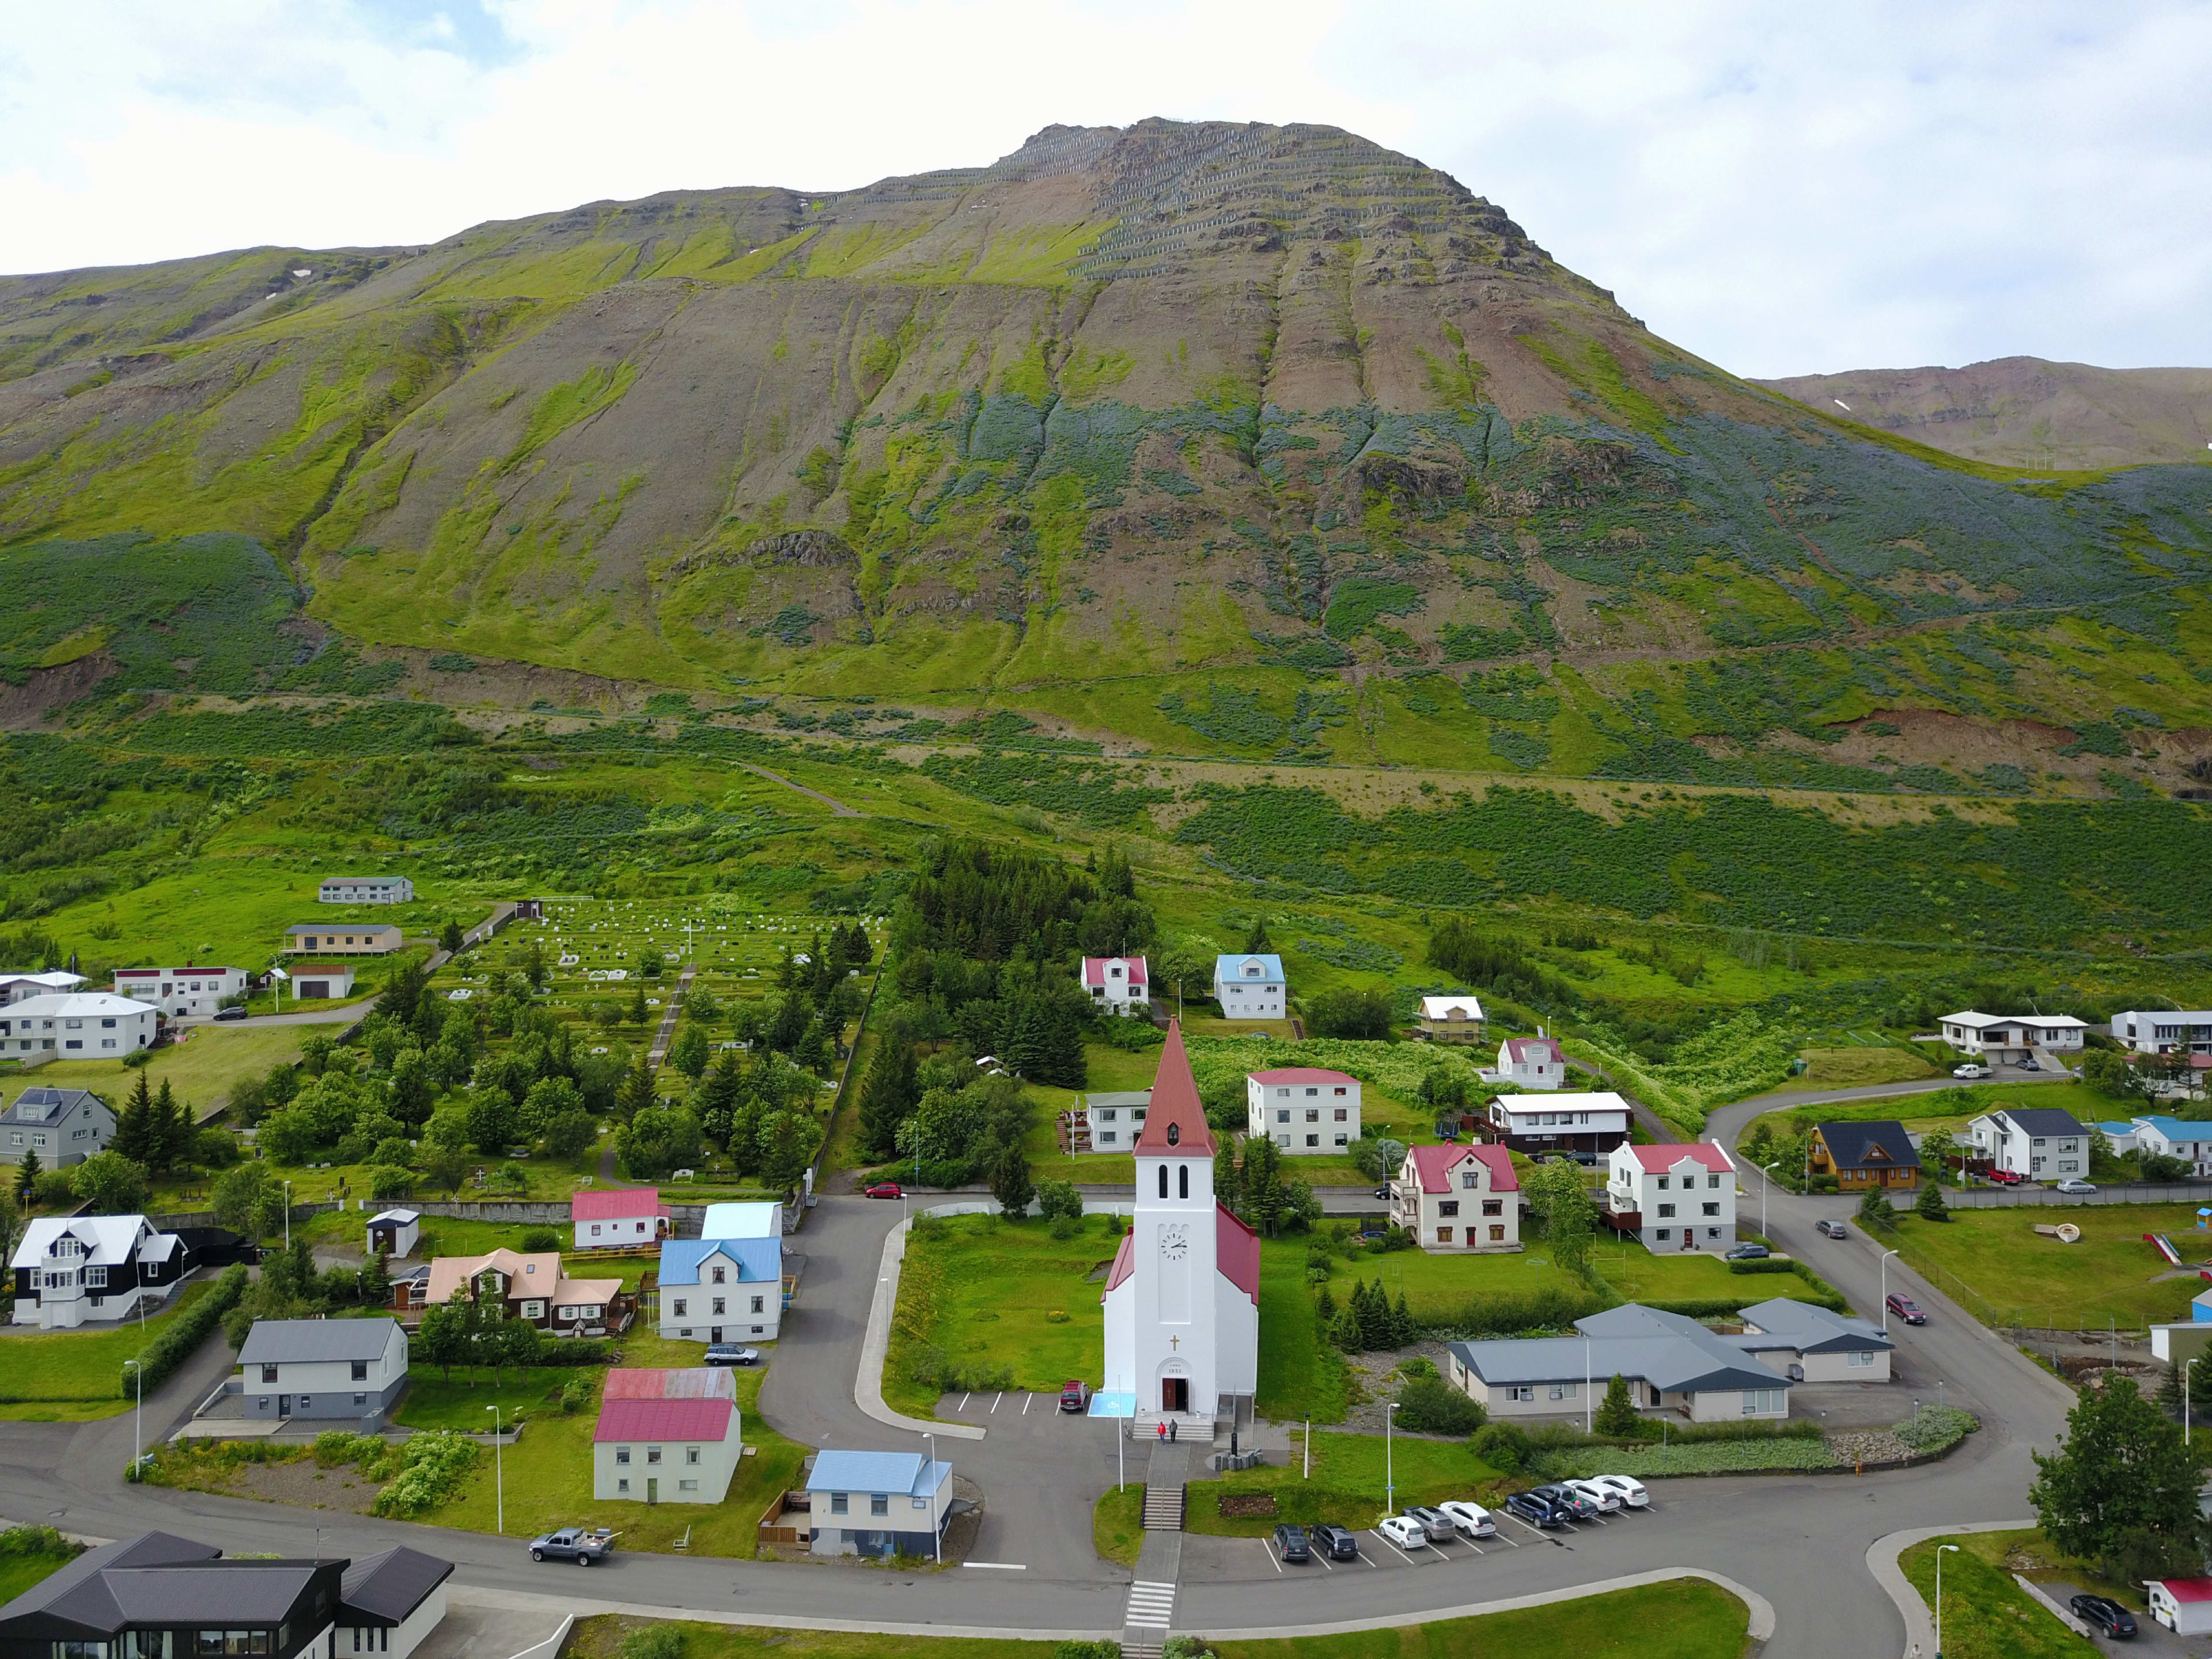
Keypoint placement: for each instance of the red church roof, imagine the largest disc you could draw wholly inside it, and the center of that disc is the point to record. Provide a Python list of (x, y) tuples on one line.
[(1236, 1253), (1176, 1105)]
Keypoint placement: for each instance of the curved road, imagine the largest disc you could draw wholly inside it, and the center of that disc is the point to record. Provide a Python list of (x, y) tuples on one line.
[(1799, 1541)]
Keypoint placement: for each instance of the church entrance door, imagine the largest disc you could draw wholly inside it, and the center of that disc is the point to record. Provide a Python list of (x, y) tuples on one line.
[(1175, 1393)]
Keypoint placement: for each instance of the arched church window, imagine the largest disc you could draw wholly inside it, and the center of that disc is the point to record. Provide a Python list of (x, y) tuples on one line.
[(1182, 1181), (1163, 1180)]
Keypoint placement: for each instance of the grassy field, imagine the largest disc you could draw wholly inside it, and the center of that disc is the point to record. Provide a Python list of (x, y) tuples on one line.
[(1438, 1286), (1996, 1265), (983, 1290), (433, 1401), (1985, 1614), (1346, 1486), (1640, 1276), (201, 1068), (19, 1572), (1117, 1523), (1855, 1067), (82, 1365), (549, 1478), (1301, 1376)]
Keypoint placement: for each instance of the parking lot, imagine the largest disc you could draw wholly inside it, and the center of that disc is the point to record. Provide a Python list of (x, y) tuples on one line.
[(1232, 1558)]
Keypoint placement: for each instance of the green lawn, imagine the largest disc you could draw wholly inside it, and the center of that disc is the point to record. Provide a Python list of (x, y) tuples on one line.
[(1855, 1067), (1117, 1523), (433, 1401), (19, 1572), (548, 1476), (982, 1290), (1438, 1286), (82, 1365), (1985, 1614), (1640, 1276), (1996, 1265), (1301, 1376), (1346, 1486), (201, 1069), (1681, 1618)]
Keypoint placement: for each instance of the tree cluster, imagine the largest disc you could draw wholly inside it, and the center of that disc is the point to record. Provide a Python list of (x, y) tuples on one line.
[(1257, 1191), (1368, 1321), (2121, 1488), (290, 1288), (471, 1331)]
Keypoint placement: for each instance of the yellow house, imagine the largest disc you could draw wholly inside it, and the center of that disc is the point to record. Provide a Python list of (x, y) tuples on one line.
[(1451, 1019), (344, 939)]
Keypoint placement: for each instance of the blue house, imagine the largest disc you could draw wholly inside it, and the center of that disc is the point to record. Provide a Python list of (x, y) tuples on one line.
[(878, 1503), (1251, 987), (722, 1290)]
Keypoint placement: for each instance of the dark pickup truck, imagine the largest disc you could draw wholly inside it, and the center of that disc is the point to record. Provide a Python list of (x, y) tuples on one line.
[(578, 1544)]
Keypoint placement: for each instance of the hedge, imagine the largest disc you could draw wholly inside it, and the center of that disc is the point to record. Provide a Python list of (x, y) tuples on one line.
[(1770, 1264), (181, 1337)]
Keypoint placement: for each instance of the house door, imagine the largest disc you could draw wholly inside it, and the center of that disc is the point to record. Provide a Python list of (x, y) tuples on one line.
[(713, 1332), (652, 1489), (1175, 1393), (284, 1404)]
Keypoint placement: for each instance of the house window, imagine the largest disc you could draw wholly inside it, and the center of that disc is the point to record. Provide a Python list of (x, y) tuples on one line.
[(1470, 1178), (760, 1304), (622, 1454), (652, 1454), (268, 1373), (1312, 1116), (837, 1505), (1443, 1235), (1564, 1390), (683, 1307), (1712, 1181), (1666, 1233), (721, 1275), (595, 1229), (1106, 1138), (1662, 1184), (96, 1276), (1860, 1360), (687, 1485), (879, 1503), (1313, 1140), (1282, 1117), (1497, 1235), (1758, 1400), (622, 1485), (1712, 1209), (1448, 1206), (1666, 1209), (1342, 1116), (1342, 1139), (1493, 1206), (690, 1453), (1521, 1393)]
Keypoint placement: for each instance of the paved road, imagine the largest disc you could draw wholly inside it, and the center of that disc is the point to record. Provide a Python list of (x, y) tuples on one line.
[(1786, 1098)]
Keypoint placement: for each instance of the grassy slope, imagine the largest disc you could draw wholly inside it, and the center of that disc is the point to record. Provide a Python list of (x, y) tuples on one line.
[(19, 1572), (1682, 1618), (79, 1366), (1995, 1264), (1985, 1616)]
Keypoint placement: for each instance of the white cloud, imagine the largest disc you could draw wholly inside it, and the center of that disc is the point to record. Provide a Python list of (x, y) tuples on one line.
[(1778, 189)]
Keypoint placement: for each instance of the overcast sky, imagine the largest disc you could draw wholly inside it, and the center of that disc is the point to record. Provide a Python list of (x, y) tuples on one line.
[(1781, 188)]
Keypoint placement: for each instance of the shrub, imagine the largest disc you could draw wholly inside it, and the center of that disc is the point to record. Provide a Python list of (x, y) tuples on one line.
[(933, 1368), (574, 1351), (1087, 1650), (1428, 1404), (1762, 1264), (653, 1642), (575, 1397), (1934, 1428), (535, 1241), (431, 1469), (181, 1337), (388, 1180), (38, 1541), (1501, 1445)]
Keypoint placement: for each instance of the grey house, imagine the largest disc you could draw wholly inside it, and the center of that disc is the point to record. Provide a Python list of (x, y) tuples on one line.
[(351, 1369), (62, 1126)]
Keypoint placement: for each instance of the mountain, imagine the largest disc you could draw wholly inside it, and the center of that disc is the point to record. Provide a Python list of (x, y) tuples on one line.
[(1259, 442), (2025, 412)]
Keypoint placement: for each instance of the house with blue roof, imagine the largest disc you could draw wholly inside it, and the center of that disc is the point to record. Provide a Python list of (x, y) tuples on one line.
[(2174, 1137), (1250, 987), (722, 1290), (880, 1503)]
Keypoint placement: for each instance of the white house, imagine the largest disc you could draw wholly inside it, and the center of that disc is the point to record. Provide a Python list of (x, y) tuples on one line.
[(2164, 1031), (2009, 1039), (1453, 1199), (667, 1437), (2173, 1137), (1117, 984), (1671, 1362), (1587, 1125), (334, 980), (1808, 1343), (1536, 1062), (60, 1126), (189, 990), (322, 1368), (19, 987), (366, 890), (1451, 1019), (395, 1232), (1109, 1122), (1182, 1296), (77, 1026), (93, 1269), (722, 1290), (1302, 1110), (619, 1218), (756, 1219), (876, 1504), (2041, 1143), (1678, 1197), (2183, 1606), (1250, 987)]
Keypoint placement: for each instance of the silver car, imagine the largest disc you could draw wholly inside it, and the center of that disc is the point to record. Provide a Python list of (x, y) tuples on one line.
[(1440, 1527)]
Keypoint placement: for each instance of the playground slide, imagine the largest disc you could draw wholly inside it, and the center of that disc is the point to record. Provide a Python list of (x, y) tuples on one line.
[(2164, 1246)]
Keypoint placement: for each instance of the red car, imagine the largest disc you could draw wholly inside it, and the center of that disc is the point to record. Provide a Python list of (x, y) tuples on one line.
[(2005, 1177), (887, 1189), (1906, 1307)]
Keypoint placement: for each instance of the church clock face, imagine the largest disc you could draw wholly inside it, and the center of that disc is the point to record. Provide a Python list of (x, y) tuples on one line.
[(1174, 1242)]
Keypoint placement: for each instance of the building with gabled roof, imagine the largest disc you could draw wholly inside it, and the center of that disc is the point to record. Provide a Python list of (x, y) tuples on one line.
[(1536, 1062), (531, 1286), (77, 1026), (667, 1437), (1251, 987), (1808, 1343), (878, 1503), (59, 1127), (77, 1270), (1182, 1295), (722, 1290), (1452, 1019), (1676, 1196), (2039, 1143), (1873, 1153), (322, 1369), (1118, 985), (1457, 1200), (1671, 1362), (618, 1218), (1304, 1111)]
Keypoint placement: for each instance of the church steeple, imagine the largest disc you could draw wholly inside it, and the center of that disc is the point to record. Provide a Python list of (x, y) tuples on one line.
[(1174, 1123)]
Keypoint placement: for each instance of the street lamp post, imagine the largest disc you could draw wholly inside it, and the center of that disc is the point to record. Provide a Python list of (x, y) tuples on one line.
[(1766, 1180), (2184, 1401), (1940, 1548), (498, 1466), (1886, 1256), (1589, 1421), (936, 1532), (1389, 1469), (138, 1424)]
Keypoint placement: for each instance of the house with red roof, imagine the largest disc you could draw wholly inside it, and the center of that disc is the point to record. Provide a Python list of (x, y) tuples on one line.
[(1675, 1197), (1455, 1201), (1118, 985), (1536, 1062), (2183, 1606), (1301, 1110), (1182, 1297), (666, 1437), (619, 1218)]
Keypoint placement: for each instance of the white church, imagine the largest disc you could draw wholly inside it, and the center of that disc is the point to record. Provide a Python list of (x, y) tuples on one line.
[(1183, 1300)]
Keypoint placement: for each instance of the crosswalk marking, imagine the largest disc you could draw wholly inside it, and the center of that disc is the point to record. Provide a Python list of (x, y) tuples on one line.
[(1151, 1606)]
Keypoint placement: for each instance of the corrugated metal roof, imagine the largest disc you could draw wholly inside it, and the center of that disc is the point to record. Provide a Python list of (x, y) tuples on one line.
[(758, 1261), (871, 1471), (664, 1420), (695, 1383), (305, 1342), (386, 1587), (619, 1204)]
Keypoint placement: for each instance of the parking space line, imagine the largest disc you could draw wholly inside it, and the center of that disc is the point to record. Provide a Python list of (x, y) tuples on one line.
[(964, 1399), (1395, 1550), (994, 1403), (1270, 1548), (1026, 1403), (1362, 1555)]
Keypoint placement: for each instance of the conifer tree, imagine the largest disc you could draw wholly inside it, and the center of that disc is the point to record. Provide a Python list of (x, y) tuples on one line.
[(1616, 1415), (636, 1091), (1343, 1331), (1930, 1205), (134, 1123), (169, 1135), (1404, 1332), (27, 1177), (888, 1092)]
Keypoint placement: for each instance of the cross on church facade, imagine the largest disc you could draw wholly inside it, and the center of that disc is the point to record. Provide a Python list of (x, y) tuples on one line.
[(1174, 1342)]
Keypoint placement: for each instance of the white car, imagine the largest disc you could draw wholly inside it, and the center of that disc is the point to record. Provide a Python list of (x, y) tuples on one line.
[(2077, 1186), (1970, 1071), (1626, 1487), (1404, 1531), (1472, 1520), (1603, 1496)]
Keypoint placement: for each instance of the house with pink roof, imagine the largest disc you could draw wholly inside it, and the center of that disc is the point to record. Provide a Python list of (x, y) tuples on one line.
[(1455, 1201), (1676, 1197), (1536, 1062), (666, 1437), (1118, 985), (619, 1218)]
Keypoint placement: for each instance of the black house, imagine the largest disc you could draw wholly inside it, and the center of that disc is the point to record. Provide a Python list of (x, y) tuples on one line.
[(159, 1596)]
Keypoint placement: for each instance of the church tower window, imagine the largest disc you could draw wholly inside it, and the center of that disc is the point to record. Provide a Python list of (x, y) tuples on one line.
[(1182, 1181)]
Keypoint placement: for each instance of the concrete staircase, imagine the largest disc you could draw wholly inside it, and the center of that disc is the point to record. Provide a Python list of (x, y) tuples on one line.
[(1163, 1507)]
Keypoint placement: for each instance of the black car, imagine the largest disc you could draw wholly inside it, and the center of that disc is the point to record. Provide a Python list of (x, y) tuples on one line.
[(1382, 1193), (1291, 1543), (1338, 1543), (230, 1013), (1537, 1510), (2101, 1612)]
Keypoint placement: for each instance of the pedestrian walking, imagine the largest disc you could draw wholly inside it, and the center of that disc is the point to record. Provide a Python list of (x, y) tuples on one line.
[(1172, 1427), (1162, 1429)]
